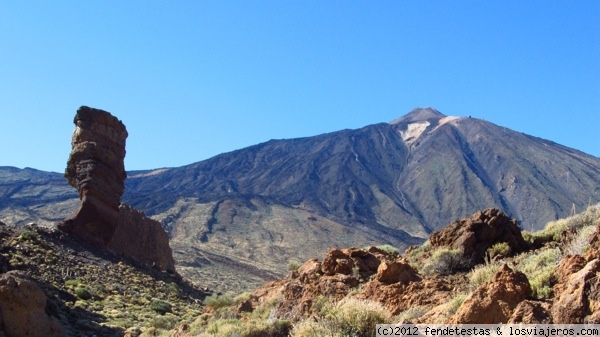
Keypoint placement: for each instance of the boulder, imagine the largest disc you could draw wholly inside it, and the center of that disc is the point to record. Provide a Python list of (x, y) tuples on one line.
[(481, 231), (577, 296), (397, 271), (22, 308), (531, 312), (494, 302), (337, 262)]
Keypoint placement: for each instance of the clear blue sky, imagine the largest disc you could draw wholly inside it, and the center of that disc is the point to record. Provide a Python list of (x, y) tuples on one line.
[(192, 79)]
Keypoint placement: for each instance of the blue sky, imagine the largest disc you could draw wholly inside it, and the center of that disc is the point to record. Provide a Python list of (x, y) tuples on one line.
[(192, 79)]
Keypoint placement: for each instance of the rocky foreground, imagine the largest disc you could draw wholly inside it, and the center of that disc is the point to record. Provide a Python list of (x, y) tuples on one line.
[(477, 270), (54, 284)]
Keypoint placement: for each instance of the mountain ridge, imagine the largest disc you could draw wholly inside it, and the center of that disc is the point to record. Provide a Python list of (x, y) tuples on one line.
[(385, 183)]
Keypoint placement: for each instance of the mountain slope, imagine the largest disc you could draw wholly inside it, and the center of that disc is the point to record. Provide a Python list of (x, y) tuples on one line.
[(257, 209), (415, 175)]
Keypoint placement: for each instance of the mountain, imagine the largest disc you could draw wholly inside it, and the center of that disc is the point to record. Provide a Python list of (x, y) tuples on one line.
[(257, 209)]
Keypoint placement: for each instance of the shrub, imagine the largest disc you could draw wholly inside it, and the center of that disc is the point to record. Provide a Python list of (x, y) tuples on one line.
[(417, 254), (28, 235), (72, 283), (348, 317), (83, 293), (554, 229), (293, 266), (499, 249), (173, 289), (581, 242), (445, 261), (389, 249), (539, 268), (218, 301), (160, 306), (165, 322), (455, 303), (411, 313), (249, 328), (483, 273)]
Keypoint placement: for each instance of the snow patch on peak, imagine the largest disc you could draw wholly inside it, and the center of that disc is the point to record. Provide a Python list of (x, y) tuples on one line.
[(447, 119), (413, 131)]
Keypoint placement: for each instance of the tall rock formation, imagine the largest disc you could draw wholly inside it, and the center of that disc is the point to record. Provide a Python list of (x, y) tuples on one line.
[(96, 168)]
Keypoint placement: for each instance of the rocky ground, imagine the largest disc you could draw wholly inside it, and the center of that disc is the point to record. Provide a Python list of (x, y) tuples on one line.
[(89, 291), (478, 270)]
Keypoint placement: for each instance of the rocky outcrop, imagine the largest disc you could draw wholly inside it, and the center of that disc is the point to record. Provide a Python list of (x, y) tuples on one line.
[(476, 234), (578, 295), (22, 308), (398, 297), (494, 302), (96, 169), (531, 312), (342, 270), (142, 238), (396, 272)]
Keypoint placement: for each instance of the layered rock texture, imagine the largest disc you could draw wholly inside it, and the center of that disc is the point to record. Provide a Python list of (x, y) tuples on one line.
[(96, 168)]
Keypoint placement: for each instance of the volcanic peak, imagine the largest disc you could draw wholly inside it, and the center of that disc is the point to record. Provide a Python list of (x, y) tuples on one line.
[(419, 115)]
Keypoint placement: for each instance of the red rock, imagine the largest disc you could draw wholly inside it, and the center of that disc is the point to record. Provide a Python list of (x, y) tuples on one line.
[(397, 271), (572, 304), (337, 262), (96, 168), (476, 234), (142, 238), (22, 309), (494, 302), (531, 312)]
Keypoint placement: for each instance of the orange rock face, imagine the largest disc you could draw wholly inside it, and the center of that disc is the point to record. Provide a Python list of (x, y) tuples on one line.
[(494, 302), (22, 309), (476, 234)]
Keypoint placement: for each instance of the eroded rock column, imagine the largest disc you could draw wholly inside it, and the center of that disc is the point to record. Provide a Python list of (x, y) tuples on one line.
[(96, 169)]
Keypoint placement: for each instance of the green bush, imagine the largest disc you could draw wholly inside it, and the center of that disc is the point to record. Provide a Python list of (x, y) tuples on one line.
[(417, 254), (348, 317), (389, 248), (160, 306), (581, 242), (455, 303), (293, 266), (539, 268), (83, 293), (165, 321), (248, 328), (29, 235), (218, 301), (445, 261), (411, 313), (554, 229), (499, 249), (483, 273)]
